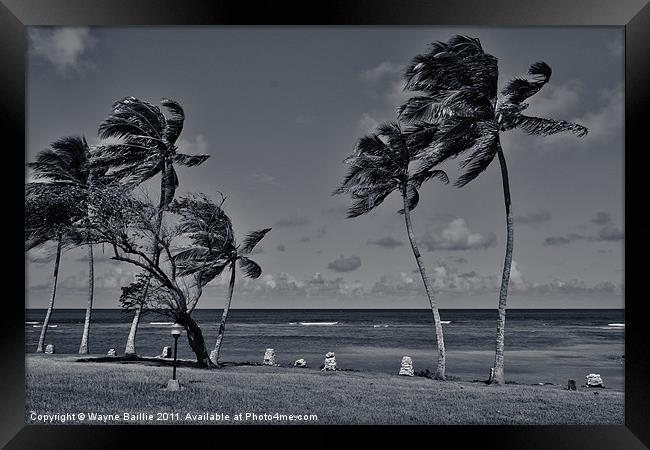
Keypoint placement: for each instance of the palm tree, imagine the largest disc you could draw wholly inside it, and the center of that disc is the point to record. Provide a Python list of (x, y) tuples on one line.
[(65, 165), (49, 213), (146, 146), (379, 166), (214, 249), (460, 103)]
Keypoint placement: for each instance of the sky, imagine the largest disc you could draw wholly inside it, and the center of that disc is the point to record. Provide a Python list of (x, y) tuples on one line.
[(279, 108)]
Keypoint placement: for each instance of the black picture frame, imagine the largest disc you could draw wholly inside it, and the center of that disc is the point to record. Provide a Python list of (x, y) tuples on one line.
[(634, 15)]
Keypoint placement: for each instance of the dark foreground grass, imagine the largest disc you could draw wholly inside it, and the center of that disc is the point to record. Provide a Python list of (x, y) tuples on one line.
[(59, 385)]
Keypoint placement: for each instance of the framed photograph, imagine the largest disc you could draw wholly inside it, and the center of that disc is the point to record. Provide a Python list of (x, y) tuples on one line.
[(366, 213)]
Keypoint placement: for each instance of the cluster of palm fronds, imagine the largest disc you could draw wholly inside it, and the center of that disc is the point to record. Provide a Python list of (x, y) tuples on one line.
[(455, 111), (83, 195)]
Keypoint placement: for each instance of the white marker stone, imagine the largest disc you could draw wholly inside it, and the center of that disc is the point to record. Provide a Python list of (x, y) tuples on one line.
[(330, 362), (406, 368), (269, 357)]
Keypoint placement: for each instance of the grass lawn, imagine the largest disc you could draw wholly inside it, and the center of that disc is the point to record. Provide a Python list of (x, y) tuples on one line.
[(58, 384)]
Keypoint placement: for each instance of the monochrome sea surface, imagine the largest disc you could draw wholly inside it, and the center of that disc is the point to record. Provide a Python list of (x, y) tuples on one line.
[(542, 345)]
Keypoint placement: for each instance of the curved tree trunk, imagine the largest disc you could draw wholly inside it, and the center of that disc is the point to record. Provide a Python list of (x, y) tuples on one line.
[(130, 341), (214, 354), (83, 348), (441, 369), (196, 340), (41, 339), (498, 374)]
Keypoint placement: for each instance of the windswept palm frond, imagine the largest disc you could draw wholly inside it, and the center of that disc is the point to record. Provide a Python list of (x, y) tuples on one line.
[(426, 173), (250, 268), (412, 198), (477, 162), (366, 203), (64, 161), (146, 144), (519, 89), (173, 123), (190, 160), (546, 127), (251, 240)]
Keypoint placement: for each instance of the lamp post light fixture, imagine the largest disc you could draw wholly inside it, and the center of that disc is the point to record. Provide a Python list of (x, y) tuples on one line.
[(173, 384)]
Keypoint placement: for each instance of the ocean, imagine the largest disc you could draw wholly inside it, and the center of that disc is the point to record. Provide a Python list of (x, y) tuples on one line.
[(542, 345)]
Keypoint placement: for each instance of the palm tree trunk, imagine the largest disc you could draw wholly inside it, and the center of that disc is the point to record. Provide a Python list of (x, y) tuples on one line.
[(498, 374), (83, 348), (130, 341), (41, 339), (441, 369), (214, 355)]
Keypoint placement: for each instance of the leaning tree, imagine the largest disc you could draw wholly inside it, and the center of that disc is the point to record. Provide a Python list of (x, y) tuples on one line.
[(380, 165), (456, 82), (130, 226), (142, 144), (213, 249)]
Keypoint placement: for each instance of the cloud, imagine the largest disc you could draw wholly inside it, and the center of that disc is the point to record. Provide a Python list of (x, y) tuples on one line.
[(336, 212), (602, 218), (114, 278), (261, 179), (610, 233), (533, 218), (198, 146), (286, 285), (367, 124), (384, 81), (385, 242), (557, 240), (403, 285), (305, 239), (606, 233), (281, 248), (64, 48), (292, 222), (343, 264), (557, 100), (380, 72), (457, 236), (615, 48)]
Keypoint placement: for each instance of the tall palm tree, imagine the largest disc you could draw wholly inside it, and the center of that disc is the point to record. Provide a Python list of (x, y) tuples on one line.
[(459, 101), (65, 165), (380, 165), (145, 147), (49, 214), (214, 249)]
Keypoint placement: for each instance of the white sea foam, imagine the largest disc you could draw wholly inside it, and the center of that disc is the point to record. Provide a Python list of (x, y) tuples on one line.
[(319, 323), (380, 326)]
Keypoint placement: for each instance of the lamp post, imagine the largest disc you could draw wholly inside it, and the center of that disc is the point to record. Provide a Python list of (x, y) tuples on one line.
[(173, 384)]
